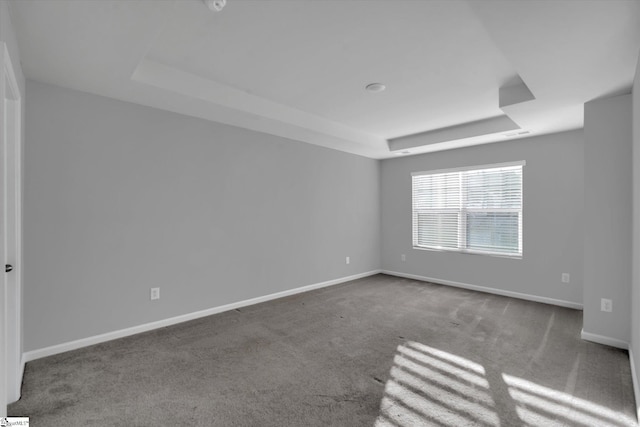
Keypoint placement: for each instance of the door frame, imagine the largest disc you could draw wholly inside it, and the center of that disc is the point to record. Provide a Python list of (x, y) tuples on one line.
[(11, 143)]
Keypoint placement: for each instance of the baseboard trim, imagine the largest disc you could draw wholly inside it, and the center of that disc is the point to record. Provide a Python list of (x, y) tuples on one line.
[(601, 339), (13, 399), (23, 363), (636, 386), (528, 297), (96, 339)]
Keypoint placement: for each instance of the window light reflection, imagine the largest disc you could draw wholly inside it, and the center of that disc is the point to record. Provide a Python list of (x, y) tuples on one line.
[(428, 387)]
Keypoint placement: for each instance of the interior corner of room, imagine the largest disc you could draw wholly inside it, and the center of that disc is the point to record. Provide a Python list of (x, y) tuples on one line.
[(129, 217)]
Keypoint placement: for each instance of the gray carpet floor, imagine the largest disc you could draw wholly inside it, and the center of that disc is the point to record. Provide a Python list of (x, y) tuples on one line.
[(379, 351)]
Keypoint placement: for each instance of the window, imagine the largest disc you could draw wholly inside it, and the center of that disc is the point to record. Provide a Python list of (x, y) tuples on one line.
[(475, 210)]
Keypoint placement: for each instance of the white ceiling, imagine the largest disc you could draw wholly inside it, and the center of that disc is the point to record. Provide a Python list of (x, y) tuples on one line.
[(297, 69)]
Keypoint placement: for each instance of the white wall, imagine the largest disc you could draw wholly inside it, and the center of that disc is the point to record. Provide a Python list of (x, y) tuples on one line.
[(552, 228), (635, 288), (608, 216), (120, 198)]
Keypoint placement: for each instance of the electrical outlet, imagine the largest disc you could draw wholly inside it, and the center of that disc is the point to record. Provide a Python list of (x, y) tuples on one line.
[(606, 305), (347, 260), (566, 278), (155, 293), (403, 257)]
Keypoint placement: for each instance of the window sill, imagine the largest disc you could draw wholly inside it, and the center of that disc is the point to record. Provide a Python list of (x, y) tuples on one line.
[(455, 251)]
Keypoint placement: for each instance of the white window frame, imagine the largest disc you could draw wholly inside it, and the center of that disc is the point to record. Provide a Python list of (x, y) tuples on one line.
[(462, 212)]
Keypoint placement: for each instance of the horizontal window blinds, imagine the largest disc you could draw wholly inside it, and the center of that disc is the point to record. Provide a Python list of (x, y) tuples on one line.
[(470, 210)]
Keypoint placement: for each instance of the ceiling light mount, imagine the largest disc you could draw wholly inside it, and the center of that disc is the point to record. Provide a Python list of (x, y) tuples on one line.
[(375, 87), (215, 5)]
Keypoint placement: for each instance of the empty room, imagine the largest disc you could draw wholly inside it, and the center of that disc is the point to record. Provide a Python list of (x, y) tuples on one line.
[(388, 213)]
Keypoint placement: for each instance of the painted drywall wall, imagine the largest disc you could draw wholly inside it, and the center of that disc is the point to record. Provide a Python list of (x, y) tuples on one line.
[(608, 213), (635, 253), (8, 36), (552, 219), (120, 198)]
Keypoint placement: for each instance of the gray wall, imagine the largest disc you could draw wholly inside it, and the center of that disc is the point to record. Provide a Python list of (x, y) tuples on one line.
[(7, 35), (120, 198), (608, 213), (552, 228), (635, 288)]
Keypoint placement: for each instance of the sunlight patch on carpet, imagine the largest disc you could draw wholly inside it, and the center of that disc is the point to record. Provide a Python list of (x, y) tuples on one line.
[(428, 386), (539, 405)]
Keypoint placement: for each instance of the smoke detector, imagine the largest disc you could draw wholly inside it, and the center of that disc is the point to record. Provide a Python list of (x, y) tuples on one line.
[(215, 5)]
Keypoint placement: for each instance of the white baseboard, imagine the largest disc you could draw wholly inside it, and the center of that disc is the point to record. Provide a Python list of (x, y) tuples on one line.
[(636, 386), (488, 290), (84, 342), (601, 339), (23, 363), (12, 398)]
